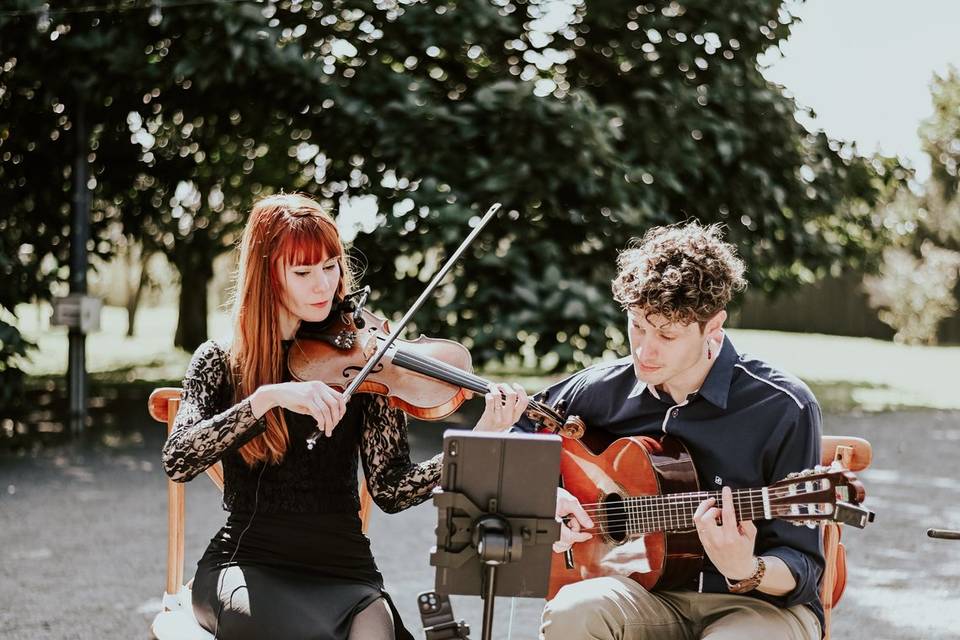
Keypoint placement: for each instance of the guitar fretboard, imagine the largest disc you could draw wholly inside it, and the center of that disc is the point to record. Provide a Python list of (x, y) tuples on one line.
[(674, 511)]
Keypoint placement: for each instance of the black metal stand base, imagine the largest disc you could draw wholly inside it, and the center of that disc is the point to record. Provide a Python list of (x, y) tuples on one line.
[(489, 591)]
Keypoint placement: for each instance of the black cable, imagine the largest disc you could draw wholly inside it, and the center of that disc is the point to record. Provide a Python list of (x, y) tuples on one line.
[(256, 502)]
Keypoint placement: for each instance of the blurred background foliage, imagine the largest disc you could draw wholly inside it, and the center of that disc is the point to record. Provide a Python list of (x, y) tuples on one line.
[(590, 121), (916, 288)]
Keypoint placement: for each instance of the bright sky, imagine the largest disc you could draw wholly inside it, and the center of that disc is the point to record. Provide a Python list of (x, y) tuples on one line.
[(865, 66)]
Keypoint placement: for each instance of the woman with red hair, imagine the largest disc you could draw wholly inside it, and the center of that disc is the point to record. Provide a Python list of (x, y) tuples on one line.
[(291, 560)]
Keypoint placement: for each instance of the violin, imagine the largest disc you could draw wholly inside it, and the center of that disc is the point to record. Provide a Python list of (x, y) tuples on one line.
[(427, 378)]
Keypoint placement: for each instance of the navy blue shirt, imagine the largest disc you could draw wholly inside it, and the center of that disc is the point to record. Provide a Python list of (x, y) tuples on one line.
[(748, 426)]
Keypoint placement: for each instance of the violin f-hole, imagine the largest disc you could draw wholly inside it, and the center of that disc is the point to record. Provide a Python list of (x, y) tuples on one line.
[(353, 369)]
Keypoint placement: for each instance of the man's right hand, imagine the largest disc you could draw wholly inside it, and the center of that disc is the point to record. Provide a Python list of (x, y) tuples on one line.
[(571, 528)]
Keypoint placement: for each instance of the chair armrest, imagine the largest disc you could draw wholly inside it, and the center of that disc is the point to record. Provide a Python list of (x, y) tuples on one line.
[(159, 403), (856, 454)]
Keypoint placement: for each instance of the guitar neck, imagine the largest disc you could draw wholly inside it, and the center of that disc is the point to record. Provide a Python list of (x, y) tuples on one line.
[(674, 511)]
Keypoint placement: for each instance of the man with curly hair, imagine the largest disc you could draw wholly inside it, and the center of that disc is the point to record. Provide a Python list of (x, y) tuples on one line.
[(745, 423)]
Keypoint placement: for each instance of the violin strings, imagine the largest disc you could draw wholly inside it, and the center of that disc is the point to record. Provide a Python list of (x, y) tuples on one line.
[(440, 370), (445, 372), (450, 374)]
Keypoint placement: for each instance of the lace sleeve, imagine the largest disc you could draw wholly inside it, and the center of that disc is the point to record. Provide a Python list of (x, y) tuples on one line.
[(202, 431), (394, 481)]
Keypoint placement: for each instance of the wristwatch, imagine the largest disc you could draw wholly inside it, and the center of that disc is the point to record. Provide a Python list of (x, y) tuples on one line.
[(750, 583)]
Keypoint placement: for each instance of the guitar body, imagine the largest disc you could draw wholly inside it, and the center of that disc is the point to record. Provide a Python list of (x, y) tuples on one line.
[(604, 470)]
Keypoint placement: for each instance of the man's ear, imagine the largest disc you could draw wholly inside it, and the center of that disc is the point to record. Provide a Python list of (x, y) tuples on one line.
[(714, 325)]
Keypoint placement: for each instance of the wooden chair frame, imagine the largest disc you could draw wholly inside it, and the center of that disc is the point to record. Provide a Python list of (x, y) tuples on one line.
[(854, 454)]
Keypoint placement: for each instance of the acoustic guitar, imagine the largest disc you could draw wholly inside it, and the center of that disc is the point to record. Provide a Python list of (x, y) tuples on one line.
[(642, 492)]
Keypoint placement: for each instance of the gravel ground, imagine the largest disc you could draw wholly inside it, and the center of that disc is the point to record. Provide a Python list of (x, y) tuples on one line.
[(83, 531)]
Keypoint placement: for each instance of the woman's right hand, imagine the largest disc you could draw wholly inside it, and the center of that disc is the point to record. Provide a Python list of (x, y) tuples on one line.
[(312, 398)]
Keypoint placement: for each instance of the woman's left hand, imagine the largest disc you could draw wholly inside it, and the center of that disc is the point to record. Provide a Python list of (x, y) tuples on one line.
[(505, 405)]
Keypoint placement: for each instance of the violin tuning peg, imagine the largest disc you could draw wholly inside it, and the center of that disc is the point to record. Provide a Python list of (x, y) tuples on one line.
[(345, 340)]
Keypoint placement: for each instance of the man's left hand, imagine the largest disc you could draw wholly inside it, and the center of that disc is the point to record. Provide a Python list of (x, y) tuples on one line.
[(729, 545)]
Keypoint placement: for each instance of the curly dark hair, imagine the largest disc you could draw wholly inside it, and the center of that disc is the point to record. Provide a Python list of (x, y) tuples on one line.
[(684, 272)]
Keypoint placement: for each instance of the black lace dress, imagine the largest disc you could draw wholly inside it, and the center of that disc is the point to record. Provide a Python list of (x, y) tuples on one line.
[(291, 561)]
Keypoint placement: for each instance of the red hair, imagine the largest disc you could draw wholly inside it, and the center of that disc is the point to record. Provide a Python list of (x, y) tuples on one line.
[(283, 230)]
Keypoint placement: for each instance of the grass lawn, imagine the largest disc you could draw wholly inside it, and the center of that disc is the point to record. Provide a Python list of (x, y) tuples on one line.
[(845, 373)]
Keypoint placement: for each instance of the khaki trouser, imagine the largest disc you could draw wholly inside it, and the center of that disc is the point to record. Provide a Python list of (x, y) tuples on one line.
[(618, 608)]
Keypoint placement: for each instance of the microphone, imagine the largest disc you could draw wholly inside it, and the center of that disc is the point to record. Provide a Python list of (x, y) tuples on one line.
[(943, 534)]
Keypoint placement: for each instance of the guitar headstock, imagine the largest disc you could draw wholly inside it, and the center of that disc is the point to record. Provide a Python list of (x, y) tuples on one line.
[(808, 497)]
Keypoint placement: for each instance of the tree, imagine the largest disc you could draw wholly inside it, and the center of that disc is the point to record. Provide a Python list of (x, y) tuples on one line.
[(940, 138), (592, 127), (916, 288), (180, 138), (589, 121)]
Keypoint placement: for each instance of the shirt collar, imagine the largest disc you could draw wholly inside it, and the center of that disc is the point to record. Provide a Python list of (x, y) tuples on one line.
[(638, 388), (716, 387)]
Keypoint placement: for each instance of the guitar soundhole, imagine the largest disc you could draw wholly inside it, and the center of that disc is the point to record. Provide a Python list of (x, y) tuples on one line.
[(615, 518)]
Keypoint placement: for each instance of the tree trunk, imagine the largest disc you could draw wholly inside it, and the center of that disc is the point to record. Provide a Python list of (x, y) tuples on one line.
[(195, 264), (133, 298)]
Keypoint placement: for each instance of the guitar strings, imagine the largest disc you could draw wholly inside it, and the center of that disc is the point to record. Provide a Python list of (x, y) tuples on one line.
[(666, 507), (633, 511), (639, 509), (699, 496)]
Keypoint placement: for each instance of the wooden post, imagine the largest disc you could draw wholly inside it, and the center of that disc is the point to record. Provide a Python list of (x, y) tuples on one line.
[(79, 233), (175, 509)]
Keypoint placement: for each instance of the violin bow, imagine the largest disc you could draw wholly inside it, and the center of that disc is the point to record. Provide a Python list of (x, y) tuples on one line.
[(400, 326)]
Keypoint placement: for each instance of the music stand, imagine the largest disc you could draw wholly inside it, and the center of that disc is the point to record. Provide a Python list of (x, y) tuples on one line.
[(496, 516)]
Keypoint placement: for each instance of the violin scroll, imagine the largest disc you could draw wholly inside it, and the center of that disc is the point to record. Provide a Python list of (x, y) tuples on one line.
[(352, 306)]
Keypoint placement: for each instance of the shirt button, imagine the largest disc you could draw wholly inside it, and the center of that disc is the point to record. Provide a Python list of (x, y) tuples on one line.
[(676, 412)]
